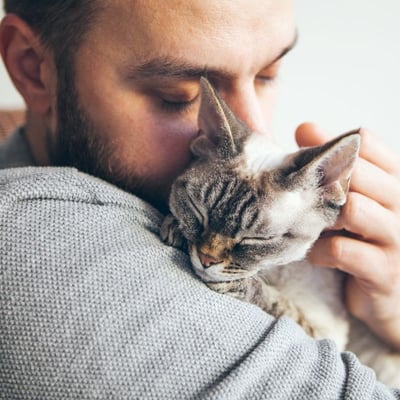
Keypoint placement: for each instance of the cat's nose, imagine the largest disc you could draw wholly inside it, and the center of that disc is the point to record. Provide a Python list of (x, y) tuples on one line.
[(207, 261)]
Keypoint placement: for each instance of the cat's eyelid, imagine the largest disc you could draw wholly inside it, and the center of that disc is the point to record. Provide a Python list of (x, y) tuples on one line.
[(255, 239)]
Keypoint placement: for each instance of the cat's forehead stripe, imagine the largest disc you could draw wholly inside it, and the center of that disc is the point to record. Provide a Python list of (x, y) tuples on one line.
[(234, 204)]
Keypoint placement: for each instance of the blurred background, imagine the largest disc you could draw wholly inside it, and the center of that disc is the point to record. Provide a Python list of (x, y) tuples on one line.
[(344, 72)]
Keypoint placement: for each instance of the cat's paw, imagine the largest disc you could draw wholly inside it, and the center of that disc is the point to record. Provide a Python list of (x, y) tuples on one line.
[(171, 234), (233, 288), (219, 287)]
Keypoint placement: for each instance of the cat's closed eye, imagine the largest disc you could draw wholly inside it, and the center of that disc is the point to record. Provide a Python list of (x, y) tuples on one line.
[(254, 241), (263, 240), (288, 235)]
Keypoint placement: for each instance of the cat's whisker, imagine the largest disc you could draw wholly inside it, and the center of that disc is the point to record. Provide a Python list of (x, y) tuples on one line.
[(263, 278), (237, 264), (236, 268)]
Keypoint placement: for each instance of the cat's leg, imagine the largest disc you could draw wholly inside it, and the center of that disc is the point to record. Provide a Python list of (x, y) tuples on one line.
[(268, 298), (376, 354), (171, 234)]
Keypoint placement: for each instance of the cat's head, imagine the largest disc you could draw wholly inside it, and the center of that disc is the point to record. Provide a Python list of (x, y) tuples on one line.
[(240, 211)]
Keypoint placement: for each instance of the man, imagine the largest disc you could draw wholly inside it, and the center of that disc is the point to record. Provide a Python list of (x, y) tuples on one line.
[(95, 306)]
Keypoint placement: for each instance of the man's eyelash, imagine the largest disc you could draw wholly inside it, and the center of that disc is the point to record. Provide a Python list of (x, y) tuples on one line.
[(177, 106), (267, 80)]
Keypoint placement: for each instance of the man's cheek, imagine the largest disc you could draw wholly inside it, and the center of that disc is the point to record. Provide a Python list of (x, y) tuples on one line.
[(174, 134), (179, 126)]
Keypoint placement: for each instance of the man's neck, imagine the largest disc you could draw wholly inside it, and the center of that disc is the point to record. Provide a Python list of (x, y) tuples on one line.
[(36, 136)]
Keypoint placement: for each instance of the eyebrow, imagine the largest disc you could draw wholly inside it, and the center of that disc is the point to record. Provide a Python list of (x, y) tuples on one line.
[(167, 67)]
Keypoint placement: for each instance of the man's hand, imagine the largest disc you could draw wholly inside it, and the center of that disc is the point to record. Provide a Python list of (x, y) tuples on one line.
[(365, 242)]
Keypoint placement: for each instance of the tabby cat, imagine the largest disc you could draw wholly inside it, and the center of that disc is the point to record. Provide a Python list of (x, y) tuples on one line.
[(248, 213)]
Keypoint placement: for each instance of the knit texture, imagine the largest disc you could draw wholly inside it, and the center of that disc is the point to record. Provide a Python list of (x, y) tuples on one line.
[(94, 306)]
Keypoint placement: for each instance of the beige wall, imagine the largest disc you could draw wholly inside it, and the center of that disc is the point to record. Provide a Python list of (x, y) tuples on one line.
[(345, 71)]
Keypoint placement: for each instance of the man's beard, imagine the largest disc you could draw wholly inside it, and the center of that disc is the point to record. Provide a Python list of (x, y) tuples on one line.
[(77, 143)]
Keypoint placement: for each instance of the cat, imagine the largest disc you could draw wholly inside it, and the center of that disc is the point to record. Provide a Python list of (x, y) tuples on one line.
[(247, 213)]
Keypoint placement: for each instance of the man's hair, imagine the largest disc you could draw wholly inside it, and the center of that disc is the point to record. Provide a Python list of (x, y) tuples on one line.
[(60, 24)]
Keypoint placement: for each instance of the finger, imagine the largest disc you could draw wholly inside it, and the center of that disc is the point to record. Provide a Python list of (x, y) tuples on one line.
[(375, 183), (375, 151), (363, 260), (310, 134), (368, 220), (368, 179), (358, 302), (372, 147)]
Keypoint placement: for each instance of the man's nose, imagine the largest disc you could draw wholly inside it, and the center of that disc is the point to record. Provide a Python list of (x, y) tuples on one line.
[(247, 106)]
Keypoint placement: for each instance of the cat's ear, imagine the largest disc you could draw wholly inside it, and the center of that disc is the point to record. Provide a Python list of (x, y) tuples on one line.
[(221, 133), (328, 167)]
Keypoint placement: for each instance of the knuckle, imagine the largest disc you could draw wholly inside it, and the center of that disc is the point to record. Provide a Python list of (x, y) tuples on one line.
[(396, 189), (390, 278), (336, 249), (395, 235), (352, 208), (393, 271)]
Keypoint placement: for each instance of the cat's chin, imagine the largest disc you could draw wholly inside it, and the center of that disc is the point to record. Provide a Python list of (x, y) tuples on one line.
[(215, 273)]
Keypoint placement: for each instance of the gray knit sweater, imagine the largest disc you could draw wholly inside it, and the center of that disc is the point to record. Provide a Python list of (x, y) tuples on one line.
[(94, 306)]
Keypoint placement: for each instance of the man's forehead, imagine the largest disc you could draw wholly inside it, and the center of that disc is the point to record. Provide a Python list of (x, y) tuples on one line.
[(157, 32), (176, 68), (191, 16)]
